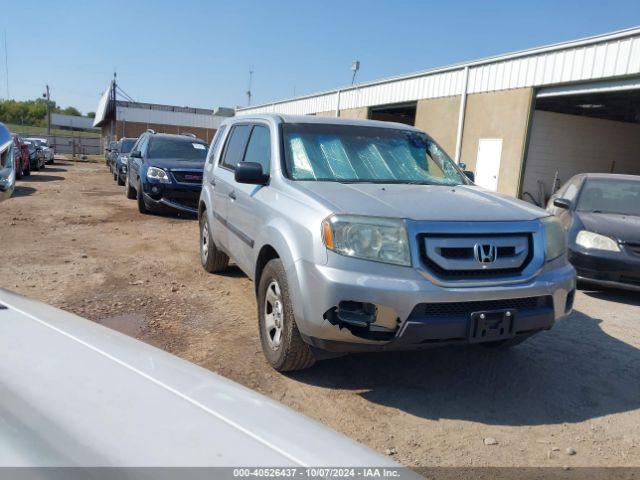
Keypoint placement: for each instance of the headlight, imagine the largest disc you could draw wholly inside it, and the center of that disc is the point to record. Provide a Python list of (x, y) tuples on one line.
[(369, 238), (154, 173), (595, 241), (555, 238)]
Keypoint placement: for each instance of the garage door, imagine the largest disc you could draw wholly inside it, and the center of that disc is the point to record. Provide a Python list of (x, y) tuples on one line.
[(584, 128)]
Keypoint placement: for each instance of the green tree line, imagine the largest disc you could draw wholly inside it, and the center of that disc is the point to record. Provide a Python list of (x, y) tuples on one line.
[(30, 112)]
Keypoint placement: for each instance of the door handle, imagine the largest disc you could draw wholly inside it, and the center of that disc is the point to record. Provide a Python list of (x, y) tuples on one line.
[(232, 195)]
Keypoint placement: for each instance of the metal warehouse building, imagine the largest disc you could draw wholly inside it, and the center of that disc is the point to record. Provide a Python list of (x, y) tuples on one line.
[(119, 118), (524, 121)]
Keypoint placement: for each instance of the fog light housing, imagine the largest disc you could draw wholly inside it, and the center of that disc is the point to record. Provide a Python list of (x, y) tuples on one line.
[(155, 189)]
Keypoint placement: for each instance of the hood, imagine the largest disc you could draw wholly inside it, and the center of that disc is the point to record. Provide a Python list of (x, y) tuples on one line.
[(625, 228), (176, 164), (420, 202)]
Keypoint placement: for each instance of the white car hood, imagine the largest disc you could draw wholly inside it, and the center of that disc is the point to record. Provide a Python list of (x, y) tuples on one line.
[(74, 393), (419, 202)]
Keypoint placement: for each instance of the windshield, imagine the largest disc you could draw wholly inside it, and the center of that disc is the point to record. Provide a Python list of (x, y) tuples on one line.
[(346, 153), (610, 196), (127, 145), (30, 146), (177, 149)]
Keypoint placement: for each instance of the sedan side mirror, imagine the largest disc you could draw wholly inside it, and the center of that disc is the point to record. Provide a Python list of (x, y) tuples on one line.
[(470, 175), (136, 154), (251, 173), (562, 203)]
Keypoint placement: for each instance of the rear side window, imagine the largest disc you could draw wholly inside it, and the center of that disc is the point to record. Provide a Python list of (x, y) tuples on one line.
[(234, 151), (216, 143), (259, 148)]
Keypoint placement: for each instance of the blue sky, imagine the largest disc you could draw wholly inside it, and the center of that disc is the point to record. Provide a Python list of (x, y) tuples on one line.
[(198, 53)]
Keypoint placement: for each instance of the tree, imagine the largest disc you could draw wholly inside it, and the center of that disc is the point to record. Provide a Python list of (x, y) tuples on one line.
[(71, 111), (91, 114)]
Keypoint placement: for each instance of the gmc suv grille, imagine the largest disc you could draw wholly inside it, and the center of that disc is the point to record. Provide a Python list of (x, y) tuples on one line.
[(187, 177)]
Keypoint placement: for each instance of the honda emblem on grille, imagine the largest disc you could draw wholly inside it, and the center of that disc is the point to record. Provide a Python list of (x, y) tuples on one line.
[(485, 253)]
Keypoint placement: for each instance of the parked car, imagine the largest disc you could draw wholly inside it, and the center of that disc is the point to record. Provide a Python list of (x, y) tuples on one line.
[(601, 213), (47, 151), (365, 236), (7, 164), (123, 149), (20, 156), (77, 394), (36, 155), (165, 172), (111, 146)]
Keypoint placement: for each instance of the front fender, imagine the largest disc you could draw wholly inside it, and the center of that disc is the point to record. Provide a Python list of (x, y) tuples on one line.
[(292, 243)]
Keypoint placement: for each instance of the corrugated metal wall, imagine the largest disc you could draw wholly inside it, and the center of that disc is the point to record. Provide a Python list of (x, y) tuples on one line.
[(168, 117), (606, 56)]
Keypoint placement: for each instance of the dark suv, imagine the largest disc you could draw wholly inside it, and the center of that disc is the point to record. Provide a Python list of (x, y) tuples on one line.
[(164, 172)]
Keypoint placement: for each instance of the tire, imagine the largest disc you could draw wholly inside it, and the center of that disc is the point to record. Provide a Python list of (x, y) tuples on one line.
[(42, 167), (129, 191), (119, 180), (212, 259), (283, 347), (142, 207)]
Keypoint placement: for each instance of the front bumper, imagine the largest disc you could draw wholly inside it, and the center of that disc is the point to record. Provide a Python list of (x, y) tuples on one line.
[(176, 198), (607, 269), (402, 297)]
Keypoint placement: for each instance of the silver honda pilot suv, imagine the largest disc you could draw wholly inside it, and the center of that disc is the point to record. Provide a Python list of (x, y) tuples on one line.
[(364, 235)]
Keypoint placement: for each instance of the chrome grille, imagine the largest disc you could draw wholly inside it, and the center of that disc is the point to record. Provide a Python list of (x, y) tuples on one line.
[(482, 255)]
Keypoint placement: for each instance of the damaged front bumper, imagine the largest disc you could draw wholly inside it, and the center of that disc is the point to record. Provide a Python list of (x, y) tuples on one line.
[(352, 305)]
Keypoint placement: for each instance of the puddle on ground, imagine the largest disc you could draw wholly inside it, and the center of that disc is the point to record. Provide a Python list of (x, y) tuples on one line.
[(129, 323)]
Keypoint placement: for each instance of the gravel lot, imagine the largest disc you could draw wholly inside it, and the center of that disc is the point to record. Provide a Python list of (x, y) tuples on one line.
[(568, 397)]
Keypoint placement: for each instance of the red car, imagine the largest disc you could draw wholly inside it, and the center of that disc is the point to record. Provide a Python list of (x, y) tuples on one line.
[(20, 156)]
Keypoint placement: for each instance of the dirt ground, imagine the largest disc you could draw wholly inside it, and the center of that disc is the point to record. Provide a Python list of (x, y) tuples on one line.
[(568, 397)]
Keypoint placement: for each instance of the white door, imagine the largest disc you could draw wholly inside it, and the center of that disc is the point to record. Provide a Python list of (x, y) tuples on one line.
[(488, 163)]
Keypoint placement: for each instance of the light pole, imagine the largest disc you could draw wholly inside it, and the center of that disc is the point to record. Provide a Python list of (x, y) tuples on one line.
[(47, 96), (355, 66)]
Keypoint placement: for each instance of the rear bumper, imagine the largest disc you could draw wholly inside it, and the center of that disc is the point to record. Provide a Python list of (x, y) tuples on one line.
[(607, 269)]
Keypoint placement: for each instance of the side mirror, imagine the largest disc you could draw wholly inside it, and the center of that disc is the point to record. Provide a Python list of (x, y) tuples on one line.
[(470, 175), (136, 154), (251, 173), (562, 203), (462, 165)]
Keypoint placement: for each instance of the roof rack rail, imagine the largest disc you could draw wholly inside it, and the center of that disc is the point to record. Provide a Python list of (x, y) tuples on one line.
[(150, 130), (188, 134)]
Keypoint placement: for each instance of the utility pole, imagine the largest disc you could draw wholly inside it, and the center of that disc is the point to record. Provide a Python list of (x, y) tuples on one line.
[(47, 96), (249, 89), (112, 106)]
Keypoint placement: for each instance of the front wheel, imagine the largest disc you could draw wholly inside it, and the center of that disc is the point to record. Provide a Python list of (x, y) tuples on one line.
[(142, 207), (129, 191), (281, 341), (212, 259)]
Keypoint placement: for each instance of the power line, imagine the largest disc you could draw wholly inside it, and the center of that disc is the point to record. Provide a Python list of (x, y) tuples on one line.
[(125, 94)]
